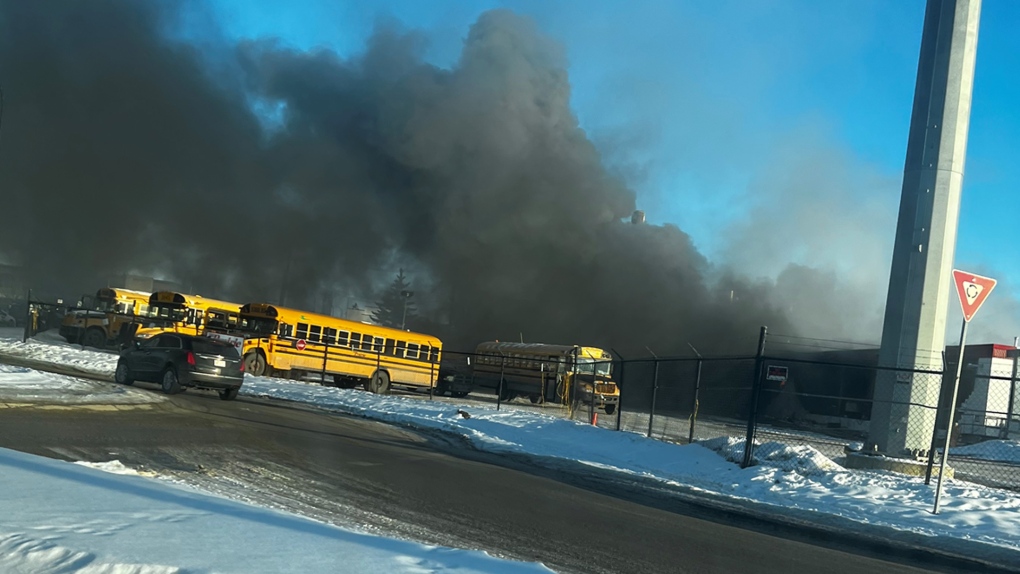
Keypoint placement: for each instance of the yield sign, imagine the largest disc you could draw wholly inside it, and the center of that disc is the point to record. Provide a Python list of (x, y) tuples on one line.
[(973, 290)]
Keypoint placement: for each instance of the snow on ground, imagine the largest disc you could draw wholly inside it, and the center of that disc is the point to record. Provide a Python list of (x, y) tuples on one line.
[(997, 450), (60, 517), (48, 347), (24, 385), (797, 481)]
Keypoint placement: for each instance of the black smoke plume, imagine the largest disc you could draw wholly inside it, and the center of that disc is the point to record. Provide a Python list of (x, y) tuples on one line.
[(264, 173)]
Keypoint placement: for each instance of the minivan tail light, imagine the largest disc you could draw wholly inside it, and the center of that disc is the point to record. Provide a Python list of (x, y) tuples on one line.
[(242, 366), (191, 358)]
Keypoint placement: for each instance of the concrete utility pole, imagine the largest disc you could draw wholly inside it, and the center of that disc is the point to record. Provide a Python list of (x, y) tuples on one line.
[(913, 334)]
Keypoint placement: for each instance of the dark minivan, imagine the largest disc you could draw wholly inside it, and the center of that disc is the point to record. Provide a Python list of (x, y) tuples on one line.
[(176, 361)]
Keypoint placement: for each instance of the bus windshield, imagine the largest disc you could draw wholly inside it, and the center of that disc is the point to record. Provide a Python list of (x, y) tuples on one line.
[(175, 314), (258, 325), (114, 306), (220, 320), (584, 366)]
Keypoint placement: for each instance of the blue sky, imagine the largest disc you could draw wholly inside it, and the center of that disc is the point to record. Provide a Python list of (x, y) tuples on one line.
[(705, 106)]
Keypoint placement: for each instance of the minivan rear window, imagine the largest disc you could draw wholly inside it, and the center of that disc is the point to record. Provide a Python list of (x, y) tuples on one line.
[(207, 347)]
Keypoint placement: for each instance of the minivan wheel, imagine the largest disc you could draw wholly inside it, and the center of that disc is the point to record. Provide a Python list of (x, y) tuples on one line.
[(171, 385), (228, 394), (123, 375)]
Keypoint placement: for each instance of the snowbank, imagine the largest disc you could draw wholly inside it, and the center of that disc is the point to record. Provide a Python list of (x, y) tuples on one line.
[(993, 450), (58, 353), (24, 385)]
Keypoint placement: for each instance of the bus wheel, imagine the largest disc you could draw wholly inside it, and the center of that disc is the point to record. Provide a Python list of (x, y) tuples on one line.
[(610, 409), (459, 394), (94, 337), (380, 383), (255, 364), (536, 399)]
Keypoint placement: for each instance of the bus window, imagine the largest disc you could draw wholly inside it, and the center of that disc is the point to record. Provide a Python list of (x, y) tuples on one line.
[(329, 336), (302, 330), (412, 351), (366, 342), (391, 347), (342, 338), (286, 330), (423, 353), (315, 333), (378, 347), (434, 357), (356, 341), (401, 348)]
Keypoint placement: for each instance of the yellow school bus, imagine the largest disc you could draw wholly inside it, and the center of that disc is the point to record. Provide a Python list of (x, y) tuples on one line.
[(183, 313), (298, 344), (100, 324), (544, 372)]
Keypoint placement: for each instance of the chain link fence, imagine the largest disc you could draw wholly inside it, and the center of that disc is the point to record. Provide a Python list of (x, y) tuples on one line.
[(985, 441)]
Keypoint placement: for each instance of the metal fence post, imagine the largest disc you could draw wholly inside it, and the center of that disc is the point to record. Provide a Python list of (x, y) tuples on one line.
[(697, 391), (752, 416), (1010, 411), (325, 359), (594, 386), (619, 387), (694, 406), (499, 389), (28, 317), (378, 360), (432, 377), (939, 416), (655, 393)]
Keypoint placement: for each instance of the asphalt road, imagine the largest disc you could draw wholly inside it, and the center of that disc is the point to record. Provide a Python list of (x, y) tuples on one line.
[(384, 479)]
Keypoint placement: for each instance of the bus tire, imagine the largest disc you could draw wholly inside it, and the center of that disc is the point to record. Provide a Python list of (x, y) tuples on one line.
[(380, 383), (255, 364), (459, 394), (537, 399), (94, 337), (610, 409)]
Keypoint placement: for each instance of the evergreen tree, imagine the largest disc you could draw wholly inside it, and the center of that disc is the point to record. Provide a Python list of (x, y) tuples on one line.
[(390, 307)]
